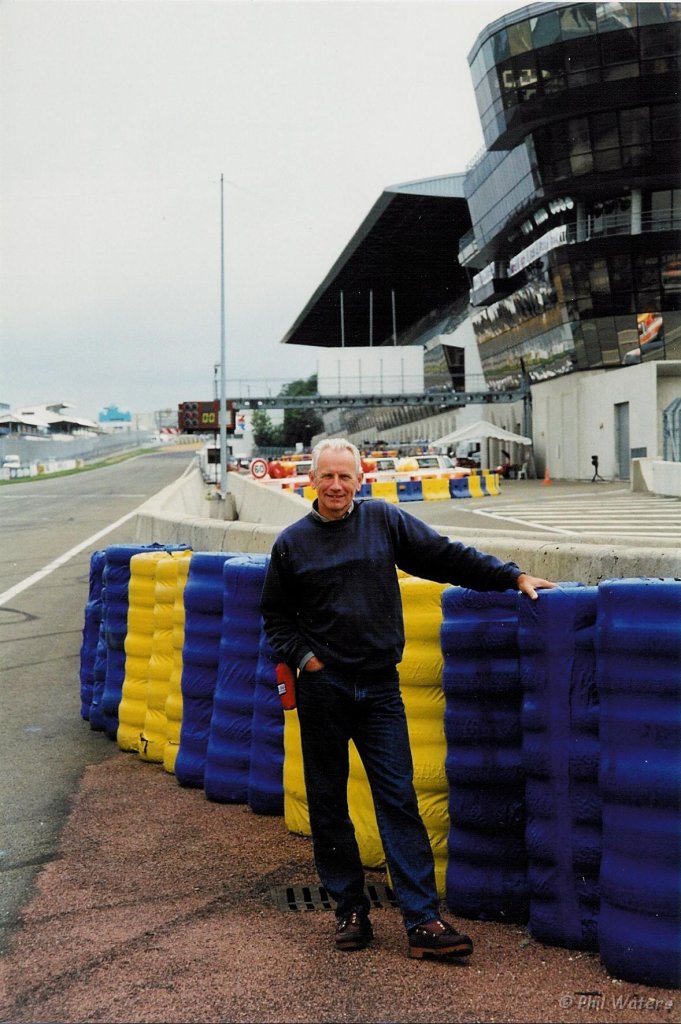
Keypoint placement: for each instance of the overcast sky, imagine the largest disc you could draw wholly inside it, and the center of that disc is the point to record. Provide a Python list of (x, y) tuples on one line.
[(117, 118)]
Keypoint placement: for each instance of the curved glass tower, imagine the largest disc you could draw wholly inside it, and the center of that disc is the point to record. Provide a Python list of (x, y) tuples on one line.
[(575, 251)]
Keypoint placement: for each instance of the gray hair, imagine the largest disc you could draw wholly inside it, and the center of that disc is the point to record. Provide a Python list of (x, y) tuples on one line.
[(336, 444)]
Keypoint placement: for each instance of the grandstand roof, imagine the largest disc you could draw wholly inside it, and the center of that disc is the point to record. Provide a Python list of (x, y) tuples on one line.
[(406, 246)]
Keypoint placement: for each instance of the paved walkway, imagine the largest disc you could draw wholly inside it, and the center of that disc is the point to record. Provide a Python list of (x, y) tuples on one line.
[(161, 907)]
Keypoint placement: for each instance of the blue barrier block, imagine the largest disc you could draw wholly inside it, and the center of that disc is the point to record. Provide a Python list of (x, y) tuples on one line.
[(364, 491), (638, 637), (228, 753), (487, 866), (458, 487), (560, 754), (409, 490), (203, 604)]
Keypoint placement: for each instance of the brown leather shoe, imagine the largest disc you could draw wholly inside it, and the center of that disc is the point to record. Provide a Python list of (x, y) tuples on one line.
[(353, 931), (438, 939)]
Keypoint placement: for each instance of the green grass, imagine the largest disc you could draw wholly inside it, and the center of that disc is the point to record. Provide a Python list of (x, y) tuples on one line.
[(112, 460)]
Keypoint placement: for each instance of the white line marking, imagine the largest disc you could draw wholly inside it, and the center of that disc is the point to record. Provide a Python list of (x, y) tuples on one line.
[(521, 522), (62, 560)]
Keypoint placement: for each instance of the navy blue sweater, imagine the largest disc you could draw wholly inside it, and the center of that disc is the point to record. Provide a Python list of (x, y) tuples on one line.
[(332, 588)]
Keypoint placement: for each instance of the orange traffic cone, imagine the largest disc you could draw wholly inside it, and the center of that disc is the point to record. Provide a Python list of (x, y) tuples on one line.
[(547, 477)]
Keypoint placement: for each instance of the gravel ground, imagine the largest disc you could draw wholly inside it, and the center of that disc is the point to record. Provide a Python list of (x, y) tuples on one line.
[(159, 907)]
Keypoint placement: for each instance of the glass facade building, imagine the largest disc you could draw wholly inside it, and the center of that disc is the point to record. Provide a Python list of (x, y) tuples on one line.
[(574, 255)]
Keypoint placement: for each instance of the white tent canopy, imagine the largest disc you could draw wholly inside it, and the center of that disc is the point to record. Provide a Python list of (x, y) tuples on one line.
[(479, 431)]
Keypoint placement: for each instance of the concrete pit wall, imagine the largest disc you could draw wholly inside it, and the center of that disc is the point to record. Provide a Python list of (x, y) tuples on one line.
[(188, 512)]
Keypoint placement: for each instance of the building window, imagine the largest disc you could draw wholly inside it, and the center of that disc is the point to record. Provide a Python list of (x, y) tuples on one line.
[(519, 38), (582, 62), (655, 13), (551, 68), (665, 122), (579, 144), (607, 340), (578, 20), (599, 280), (526, 78), (646, 273), (619, 48), (614, 16), (659, 41), (620, 273), (635, 126), (627, 334), (545, 29), (661, 216), (592, 348), (500, 44)]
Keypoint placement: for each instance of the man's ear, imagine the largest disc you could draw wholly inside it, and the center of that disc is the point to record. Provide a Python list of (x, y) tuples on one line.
[(311, 478), (360, 478)]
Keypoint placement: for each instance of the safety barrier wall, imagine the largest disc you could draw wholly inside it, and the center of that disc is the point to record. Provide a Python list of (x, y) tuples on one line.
[(547, 752), (426, 488), (254, 515)]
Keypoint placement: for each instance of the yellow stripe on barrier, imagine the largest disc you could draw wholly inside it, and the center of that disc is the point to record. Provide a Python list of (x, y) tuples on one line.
[(475, 486), (309, 492), (435, 489), (492, 481), (174, 702), (385, 489)]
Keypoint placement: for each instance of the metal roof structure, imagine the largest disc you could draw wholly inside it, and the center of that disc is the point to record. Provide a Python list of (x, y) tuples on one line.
[(400, 266), (50, 418)]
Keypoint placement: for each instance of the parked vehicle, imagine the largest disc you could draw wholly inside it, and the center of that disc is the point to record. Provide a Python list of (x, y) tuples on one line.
[(431, 465)]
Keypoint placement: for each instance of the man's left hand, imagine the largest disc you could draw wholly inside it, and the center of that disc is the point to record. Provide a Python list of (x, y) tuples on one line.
[(531, 584)]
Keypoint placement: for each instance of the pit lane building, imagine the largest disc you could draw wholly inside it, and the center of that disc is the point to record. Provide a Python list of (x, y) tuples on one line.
[(554, 259)]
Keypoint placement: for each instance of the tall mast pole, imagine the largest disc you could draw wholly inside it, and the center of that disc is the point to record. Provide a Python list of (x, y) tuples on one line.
[(223, 369)]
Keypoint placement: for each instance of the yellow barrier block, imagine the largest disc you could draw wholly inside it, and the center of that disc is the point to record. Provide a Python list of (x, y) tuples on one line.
[(173, 707), (475, 486), (421, 687), (492, 482), (385, 489), (132, 708), (155, 730), (296, 814), (309, 492), (435, 488), (363, 815)]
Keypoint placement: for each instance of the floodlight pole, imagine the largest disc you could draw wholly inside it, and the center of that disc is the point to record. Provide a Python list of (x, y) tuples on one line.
[(223, 373)]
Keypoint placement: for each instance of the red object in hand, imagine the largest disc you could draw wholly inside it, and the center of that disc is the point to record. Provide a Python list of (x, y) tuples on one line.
[(286, 686)]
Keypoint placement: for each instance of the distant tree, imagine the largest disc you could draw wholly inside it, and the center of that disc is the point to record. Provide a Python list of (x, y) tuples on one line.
[(265, 433), (301, 425)]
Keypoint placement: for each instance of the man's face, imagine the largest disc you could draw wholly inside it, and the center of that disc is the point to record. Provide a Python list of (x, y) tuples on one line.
[(336, 482)]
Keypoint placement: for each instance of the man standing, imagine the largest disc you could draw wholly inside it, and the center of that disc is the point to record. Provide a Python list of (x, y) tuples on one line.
[(332, 609)]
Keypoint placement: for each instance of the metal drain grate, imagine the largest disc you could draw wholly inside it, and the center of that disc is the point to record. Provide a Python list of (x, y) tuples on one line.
[(315, 897)]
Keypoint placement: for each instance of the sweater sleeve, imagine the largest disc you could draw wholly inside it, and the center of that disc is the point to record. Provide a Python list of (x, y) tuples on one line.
[(422, 551), (278, 607)]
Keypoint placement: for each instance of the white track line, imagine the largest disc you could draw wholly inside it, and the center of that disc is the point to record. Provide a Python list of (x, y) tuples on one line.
[(62, 560)]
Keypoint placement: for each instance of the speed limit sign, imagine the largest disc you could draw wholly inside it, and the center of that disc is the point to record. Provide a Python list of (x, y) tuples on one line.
[(259, 468)]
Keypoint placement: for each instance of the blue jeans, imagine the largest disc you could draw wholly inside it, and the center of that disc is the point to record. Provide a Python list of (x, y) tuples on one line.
[(366, 707)]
